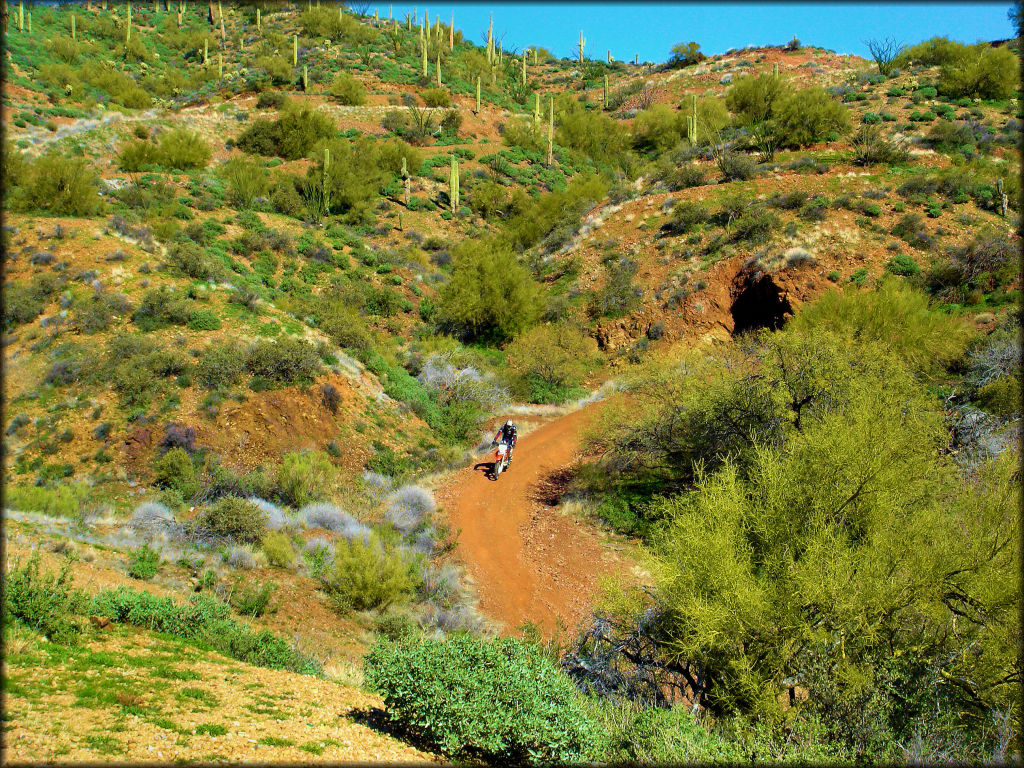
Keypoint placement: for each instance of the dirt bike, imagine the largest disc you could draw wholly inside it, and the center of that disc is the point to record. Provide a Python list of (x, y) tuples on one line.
[(502, 455)]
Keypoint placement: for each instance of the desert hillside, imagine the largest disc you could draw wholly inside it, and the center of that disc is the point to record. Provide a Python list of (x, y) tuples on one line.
[(274, 275)]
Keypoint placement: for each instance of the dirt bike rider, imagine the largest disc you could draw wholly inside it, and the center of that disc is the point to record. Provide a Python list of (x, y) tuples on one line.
[(507, 434)]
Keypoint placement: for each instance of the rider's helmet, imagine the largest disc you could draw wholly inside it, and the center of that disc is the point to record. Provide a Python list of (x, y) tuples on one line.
[(508, 423)]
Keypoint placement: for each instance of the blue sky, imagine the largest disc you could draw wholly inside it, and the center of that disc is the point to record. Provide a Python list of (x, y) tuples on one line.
[(651, 29)]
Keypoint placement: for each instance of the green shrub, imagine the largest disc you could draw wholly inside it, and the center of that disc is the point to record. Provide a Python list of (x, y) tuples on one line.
[(490, 295), (619, 295), (189, 259), (367, 575), (436, 97), (136, 155), (348, 90), (222, 365), (245, 181), (203, 320), (253, 600), (143, 563), (279, 550), (277, 68), (161, 307), (902, 264), (685, 54), (63, 500), (305, 477), (182, 149), (658, 128), (60, 185), (291, 136), (43, 601), (206, 620), (232, 518), (981, 72), (1001, 397), (753, 99), (285, 361), (550, 362), (176, 470), (500, 700), (809, 116)]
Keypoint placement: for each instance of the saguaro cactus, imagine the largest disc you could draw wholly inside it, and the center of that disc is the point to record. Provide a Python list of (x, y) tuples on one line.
[(609, 57), (775, 69), (325, 187), (220, 65), (551, 130), (582, 43), (21, 16), (206, 51), (439, 70), (423, 47), (536, 107), (259, 21), (305, 79), (451, 33), (604, 103), (406, 182), (524, 67), (490, 40), (74, 30), (453, 186), (477, 110), (692, 119), (295, 50)]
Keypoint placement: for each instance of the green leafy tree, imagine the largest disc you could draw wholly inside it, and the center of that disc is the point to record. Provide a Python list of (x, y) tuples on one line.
[(490, 295), (685, 54), (753, 99), (808, 116), (551, 361)]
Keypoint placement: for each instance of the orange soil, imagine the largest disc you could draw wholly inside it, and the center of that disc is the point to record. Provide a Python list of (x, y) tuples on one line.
[(528, 561)]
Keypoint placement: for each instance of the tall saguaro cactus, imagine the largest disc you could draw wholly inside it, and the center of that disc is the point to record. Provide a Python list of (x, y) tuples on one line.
[(581, 44), (74, 30), (604, 103), (423, 48), (259, 21), (490, 40), (295, 50), (438, 70), (524, 67), (325, 187), (305, 79), (21, 16), (406, 182), (206, 51), (609, 57), (220, 65), (551, 130), (775, 69), (691, 119), (451, 33), (477, 111), (453, 185), (536, 107)]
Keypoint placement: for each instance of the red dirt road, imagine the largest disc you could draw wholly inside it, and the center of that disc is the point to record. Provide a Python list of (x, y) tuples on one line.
[(528, 560)]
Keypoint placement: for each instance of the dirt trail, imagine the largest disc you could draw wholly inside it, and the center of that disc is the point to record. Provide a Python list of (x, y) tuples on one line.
[(528, 560)]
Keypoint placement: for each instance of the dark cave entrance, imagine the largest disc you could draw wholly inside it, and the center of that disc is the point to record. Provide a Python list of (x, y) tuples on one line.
[(759, 303)]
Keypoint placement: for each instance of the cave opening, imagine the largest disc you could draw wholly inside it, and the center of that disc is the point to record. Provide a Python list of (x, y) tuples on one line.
[(760, 303)]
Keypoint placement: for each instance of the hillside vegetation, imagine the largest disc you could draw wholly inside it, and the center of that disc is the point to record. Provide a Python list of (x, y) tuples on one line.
[(272, 269)]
